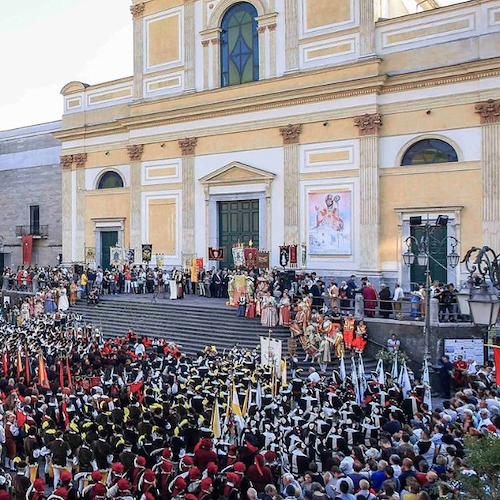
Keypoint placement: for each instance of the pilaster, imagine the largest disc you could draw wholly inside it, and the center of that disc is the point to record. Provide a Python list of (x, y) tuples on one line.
[(189, 46), (368, 127), (188, 147), (79, 229), (67, 208), (367, 28), (137, 12), (267, 45), (215, 44), (291, 134), (291, 36), (489, 112), (135, 156)]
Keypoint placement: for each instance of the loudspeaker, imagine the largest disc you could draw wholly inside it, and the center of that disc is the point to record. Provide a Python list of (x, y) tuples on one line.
[(442, 220), (78, 269), (416, 221)]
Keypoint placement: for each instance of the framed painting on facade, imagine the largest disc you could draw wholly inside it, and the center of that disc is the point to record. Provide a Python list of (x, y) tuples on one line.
[(329, 218)]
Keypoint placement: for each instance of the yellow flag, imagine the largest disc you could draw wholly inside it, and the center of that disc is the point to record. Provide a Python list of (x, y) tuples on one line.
[(215, 426), (284, 370), (244, 410), (236, 410)]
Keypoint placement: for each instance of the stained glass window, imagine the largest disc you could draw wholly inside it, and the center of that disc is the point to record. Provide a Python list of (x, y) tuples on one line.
[(110, 180), (429, 151), (239, 45)]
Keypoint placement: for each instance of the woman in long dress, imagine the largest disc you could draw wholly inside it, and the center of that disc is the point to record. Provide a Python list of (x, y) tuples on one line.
[(173, 285), (63, 304), (285, 309), (325, 356), (269, 315), (49, 302)]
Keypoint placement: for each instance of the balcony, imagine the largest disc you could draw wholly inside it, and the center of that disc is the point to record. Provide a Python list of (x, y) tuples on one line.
[(38, 232)]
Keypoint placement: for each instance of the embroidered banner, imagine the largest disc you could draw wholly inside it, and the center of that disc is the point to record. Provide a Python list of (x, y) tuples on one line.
[(293, 255), (27, 241), (147, 252), (263, 260), (239, 256), (250, 257), (215, 254), (284, 255)]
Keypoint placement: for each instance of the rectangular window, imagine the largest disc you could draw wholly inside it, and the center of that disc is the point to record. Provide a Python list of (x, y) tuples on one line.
[(35, 220)]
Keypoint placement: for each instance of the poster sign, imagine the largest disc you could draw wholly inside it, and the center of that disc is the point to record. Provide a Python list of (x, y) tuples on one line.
[(147, 252), (89, 255), (329, 217), (270, 353), (468, 348)]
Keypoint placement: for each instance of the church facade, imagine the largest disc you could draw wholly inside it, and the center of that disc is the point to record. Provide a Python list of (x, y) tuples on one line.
[(323, 125)]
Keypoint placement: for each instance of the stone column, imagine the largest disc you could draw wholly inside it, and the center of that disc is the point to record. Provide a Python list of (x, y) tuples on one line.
[(489, 112), (369, 126), (290, 135), (367, 28), (272, 50), (206, 62), (261, 30), (135, 155), (189, 47), (216, 62), (188, 146), (79, 250), (137, 11), (67, 208), (291, 36)]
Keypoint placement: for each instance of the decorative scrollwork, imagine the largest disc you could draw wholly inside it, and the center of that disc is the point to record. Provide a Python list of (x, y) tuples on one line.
[(483, 262)]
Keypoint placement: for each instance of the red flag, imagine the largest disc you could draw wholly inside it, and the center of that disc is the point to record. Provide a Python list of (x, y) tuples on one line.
[(27, 366), (61, 374), (5, 363), (19, 364), (496, 354), (20, 418), (64, 409), (133, 388), (68, 374), (42, 372), (27, 241)]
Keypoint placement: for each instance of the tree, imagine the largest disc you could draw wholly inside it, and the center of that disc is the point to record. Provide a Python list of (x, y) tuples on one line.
[(483, 457)]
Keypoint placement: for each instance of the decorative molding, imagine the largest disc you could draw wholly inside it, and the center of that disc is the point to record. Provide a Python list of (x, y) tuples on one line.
[(261, 29), (137, 10), (489, 111), (272, 27), (187, 145), (80, 160), (368, 124), (135, 152), (291, 133), (66, 162), (205, 43)]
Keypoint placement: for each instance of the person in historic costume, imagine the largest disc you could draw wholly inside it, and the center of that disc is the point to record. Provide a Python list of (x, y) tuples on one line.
[(460, 367), (325, 356), (284, 306), (242, 306), (349, 323), (370, 299), (172, 285), (310, 342), (262, 288), (25, 311), (179, 281), (49, 302), (269, 315), (360, 337), (338, 343), (63, 304), (73, 293), (251, 308), (333, 293)]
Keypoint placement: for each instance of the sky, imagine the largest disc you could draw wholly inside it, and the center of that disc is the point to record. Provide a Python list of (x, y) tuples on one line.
[(44, 44)]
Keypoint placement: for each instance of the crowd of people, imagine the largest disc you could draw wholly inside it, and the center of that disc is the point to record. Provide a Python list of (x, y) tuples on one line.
[(135, 418)]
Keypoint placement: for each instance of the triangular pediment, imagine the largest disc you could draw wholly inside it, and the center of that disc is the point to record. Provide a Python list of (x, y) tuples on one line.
[(237, 173)]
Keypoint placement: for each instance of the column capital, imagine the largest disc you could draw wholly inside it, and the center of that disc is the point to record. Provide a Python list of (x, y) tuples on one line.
[(187, 145), (66, 162), (137, 10), (489, 111), (135, 152), (80, 160), (291, 133), (368, 124)]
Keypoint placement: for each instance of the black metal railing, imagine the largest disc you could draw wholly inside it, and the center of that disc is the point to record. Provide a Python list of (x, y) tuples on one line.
[(37, 231)]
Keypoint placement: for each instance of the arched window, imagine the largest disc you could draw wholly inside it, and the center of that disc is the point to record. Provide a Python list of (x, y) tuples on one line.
[(110, 180), (239, 45), (429, 151)]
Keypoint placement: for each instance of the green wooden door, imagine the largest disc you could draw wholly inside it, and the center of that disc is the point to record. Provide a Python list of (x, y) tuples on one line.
[(438, 260), (238, 223), (108, 239)]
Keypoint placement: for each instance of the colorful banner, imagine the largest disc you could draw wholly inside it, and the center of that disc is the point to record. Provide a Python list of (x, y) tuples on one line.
[(293, 255), (130, 255), (304, 256), (239, 256), (329, 217), (216, 254), (263, 260), (270, 353), (250, 257), (147, 252), (159, 259), (284, 255), (89, 255), (115, 256), (27, 248)]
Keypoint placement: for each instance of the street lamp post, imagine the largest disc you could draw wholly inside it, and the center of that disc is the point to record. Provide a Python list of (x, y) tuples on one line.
[(478, 300), (424, 254)]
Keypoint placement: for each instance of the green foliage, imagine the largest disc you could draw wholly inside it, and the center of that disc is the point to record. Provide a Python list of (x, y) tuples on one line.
[(388, 357), (483, 457)]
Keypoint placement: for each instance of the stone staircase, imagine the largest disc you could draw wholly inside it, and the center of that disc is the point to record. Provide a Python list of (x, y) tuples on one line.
[(192, 325)]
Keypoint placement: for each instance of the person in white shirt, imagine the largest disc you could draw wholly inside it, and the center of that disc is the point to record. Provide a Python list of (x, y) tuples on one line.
[(313, 376), (398, 299)]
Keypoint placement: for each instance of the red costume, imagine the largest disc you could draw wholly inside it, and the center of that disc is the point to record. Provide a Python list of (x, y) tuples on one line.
[(260, 474), (204, 454), (348, 332)]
